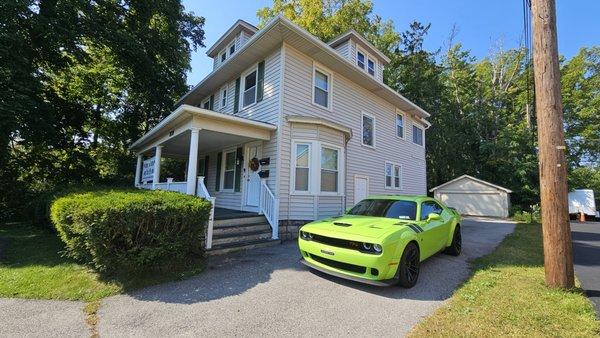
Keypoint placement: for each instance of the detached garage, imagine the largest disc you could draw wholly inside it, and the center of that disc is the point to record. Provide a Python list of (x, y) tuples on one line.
[(472, 196)]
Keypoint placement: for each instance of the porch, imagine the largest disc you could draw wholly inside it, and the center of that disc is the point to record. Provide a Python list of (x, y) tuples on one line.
[(219, 157)]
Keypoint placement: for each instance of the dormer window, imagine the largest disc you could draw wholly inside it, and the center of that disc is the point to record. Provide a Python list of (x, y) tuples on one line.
[(223, 56), (371, 67), (231, 49), (360, 60)]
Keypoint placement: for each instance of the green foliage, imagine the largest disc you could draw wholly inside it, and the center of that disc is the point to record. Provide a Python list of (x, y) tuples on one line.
[(532, 216), (79, 81), (116, 230)]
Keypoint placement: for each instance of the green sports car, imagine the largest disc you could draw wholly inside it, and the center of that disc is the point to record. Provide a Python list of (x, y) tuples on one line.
[(381, 240)]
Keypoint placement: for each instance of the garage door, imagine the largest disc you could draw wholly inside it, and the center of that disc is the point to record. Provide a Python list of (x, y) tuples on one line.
[(477, 204)]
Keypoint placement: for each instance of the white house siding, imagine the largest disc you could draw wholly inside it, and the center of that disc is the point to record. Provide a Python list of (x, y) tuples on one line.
[(349, 101), (266, 111), (344, 49)]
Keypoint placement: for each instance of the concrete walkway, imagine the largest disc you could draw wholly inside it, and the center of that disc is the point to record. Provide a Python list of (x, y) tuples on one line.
[(266, 292), (586, 256), (42, 318)]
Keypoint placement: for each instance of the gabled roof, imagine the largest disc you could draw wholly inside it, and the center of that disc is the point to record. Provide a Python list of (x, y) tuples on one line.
[(272, 36), (225, 39), (471, 178), (352, 34)]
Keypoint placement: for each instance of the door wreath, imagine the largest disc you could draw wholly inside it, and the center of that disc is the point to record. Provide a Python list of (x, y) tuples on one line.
[(253, 164)]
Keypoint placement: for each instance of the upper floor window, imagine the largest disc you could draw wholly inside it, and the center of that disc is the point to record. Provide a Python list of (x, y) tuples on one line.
[(322, 85), (231, 49), (206, 104), (223, 56), (249, 87), (368, 130), (223, 97), (360, 59), (400, 125), (417, 135), (371, 67)]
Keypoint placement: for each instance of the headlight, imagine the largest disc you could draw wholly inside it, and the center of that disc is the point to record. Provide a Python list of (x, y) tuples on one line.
[(309, 235), (367, 246), (377, 248)]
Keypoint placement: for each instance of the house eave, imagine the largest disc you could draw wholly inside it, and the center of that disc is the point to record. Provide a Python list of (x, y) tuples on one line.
[(237, 27), (365, 44)]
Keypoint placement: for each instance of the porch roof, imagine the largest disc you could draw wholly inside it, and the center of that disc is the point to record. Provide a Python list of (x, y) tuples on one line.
[(187, 117)]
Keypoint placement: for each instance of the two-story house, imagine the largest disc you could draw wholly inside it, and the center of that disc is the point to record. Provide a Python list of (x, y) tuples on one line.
[(290, 128)]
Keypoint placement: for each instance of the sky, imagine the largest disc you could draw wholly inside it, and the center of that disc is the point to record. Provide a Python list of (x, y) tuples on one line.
[(482, 24)]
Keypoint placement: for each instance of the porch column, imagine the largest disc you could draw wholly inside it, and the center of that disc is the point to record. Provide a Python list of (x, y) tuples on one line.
[(138, 170), (192, 163), (157, 156)]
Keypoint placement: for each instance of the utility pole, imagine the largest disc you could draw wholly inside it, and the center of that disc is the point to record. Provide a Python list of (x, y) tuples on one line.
[(558, 251)]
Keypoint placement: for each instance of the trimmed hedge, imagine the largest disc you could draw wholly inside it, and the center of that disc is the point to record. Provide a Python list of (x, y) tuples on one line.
[(131, 230)]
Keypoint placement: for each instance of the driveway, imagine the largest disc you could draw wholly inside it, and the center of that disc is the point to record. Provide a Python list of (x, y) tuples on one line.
[(586, 256), (267, 292)]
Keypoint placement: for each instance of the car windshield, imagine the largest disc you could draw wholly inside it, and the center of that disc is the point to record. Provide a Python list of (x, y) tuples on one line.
[(385, 208)]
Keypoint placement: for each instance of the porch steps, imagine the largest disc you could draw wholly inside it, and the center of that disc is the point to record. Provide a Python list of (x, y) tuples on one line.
[(241, 233)]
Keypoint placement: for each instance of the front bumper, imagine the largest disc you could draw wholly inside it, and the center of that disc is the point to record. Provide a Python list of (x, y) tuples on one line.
[(383, 282), (349, 263)]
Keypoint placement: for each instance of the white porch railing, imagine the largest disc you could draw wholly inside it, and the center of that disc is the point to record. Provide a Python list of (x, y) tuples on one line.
[(202, 191), (269, 206), (172, 186)]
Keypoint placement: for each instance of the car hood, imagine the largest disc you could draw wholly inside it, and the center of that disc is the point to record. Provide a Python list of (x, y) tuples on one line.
[(351, 226)]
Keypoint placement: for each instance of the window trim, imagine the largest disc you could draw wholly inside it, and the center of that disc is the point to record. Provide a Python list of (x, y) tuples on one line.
[(366, 62), (293, 190), (362, 130), (243, 85), (321, 69), (223, 53), (393, 182), (403, 115), (422, 135), (223, 166), (223, 90), (314, 171), (339, 169), (205, 101), (228, 50), (365, 57)]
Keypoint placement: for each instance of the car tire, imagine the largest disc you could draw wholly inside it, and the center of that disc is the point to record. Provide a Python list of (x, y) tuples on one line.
[(456, 247), (409, 266)]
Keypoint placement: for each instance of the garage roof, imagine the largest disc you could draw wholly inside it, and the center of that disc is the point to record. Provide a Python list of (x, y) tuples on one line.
[(471, 178)]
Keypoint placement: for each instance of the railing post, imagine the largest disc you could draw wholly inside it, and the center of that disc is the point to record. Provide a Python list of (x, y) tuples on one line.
[(211, 220)]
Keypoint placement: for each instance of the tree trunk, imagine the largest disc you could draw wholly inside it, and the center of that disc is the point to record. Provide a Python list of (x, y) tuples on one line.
[(558, 252)]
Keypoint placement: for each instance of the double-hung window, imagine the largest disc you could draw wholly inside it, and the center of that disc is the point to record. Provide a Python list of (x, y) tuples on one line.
[(249, 96), (417, 135), (393, 176), (329, 169), (400, 125), (322, 86), (360, 59), (302, 164), (368, 130), (229, 170), (223, 56), (231, 49), (223, 97), (371, 67)]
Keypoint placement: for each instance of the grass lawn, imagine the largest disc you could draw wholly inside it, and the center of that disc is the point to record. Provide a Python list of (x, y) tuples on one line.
[(506, 296), (32, 266)]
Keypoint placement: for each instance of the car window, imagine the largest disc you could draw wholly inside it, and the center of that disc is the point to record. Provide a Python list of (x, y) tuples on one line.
[(385, 208), (430, 207)]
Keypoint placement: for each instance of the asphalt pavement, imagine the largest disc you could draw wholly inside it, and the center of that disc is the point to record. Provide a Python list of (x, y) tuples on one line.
[(586, 257)]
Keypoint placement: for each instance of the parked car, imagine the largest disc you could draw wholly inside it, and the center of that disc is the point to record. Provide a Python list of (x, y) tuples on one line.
[(382, 240)]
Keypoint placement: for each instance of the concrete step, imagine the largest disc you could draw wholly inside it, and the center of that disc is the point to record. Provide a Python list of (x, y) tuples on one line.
[(231, 247), (218, 230), (240, 237), (239, 221)]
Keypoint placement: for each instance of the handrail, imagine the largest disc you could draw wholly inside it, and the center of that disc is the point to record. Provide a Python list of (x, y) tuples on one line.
[(269, 206), (202, 191)]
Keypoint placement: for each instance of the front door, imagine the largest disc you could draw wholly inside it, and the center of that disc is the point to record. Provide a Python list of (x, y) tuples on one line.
[(361, 188), (253, 154)]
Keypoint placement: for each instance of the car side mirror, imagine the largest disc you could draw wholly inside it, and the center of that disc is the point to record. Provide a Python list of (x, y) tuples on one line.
[(433, 217)]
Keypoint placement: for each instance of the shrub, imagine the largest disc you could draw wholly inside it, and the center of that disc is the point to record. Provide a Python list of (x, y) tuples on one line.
[(123, 230)]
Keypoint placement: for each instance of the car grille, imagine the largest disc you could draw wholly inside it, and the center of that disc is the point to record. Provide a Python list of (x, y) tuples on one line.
[(340, 243), (339, 265)]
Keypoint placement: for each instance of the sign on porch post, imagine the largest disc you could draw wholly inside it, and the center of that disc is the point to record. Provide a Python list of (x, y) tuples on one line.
[(148, 170)]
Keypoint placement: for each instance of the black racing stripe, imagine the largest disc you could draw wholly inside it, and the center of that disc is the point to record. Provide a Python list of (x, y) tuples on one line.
[(415, 228)]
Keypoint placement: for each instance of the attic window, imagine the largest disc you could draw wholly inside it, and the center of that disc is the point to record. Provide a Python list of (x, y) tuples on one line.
[(231, 49), (371, 67), (360, 60), (223, 56)]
